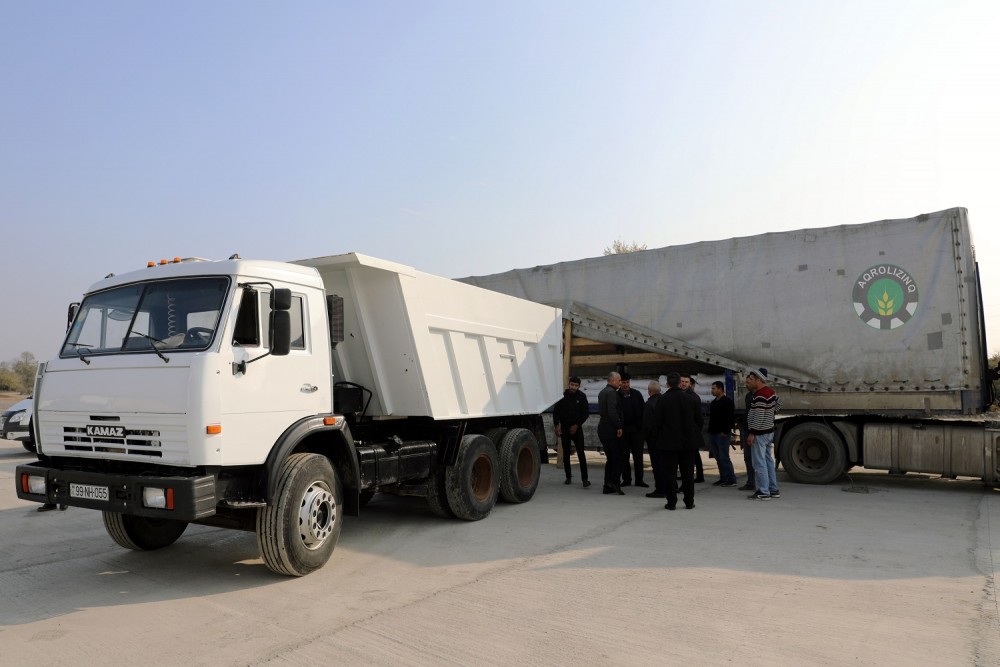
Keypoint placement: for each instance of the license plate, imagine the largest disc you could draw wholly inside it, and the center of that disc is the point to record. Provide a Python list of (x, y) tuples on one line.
[(88, 491)]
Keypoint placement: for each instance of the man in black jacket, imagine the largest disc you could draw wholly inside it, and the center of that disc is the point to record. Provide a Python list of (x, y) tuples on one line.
[(609, 430), (632, 405), (678, 421), (568, 416), (660, 480)]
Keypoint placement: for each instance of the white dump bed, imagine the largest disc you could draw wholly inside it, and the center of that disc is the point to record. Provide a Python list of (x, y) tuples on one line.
[(429, 346)]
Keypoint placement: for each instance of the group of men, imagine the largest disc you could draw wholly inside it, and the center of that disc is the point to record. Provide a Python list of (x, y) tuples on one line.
[(670, 425)]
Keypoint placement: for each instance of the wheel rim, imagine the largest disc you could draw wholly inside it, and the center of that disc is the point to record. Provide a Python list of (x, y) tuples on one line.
[(525, 467), (482, 478), (811, 454), (317, 515)]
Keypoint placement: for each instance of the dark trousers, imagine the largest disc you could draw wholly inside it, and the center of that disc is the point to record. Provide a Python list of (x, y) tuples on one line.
[(748, 461), (661, 477), (577, 440), (696, 464), (607, 432), (683, 459), (632, 444)]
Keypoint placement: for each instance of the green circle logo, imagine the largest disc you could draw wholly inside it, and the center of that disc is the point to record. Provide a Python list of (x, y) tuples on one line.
[(885, 296)]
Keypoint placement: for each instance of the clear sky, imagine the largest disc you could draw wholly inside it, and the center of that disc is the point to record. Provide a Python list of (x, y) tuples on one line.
[(466, 138)]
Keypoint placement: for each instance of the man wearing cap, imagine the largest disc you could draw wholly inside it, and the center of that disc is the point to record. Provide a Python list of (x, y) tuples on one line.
[(760, 423), (568, 416)]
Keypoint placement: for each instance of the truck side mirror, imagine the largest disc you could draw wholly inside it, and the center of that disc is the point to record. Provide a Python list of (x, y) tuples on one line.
[(281, 334), (282, 299)]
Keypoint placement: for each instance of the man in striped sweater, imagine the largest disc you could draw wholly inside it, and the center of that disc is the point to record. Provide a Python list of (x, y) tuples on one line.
[(760, 421)]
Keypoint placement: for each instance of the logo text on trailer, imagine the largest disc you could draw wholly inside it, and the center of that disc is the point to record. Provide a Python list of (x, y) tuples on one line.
[(885, 296)]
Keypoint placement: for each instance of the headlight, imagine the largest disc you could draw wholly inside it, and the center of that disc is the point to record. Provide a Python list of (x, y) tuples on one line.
[(20, 417)]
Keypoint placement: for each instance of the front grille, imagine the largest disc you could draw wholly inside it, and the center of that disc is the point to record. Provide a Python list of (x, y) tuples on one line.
[(138, 442), (135, 437)]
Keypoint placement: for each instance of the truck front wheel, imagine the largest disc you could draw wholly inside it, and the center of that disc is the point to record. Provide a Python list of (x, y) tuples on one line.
[(297, 532), (141, 533), (813, 453), (472, 484), (520, 465)]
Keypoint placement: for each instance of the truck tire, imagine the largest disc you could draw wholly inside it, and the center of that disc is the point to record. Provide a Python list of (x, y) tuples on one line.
[(29, 445), (813, 453), (141, 533), (496, 435), (520, 465), (437, 495), (472, 483), (297, 533)]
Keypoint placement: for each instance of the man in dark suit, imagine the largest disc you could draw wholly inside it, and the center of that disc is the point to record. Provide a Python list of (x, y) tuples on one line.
[(678, 421)]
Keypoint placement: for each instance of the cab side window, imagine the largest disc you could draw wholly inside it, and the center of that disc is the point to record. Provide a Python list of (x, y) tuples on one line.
[(247, 330)]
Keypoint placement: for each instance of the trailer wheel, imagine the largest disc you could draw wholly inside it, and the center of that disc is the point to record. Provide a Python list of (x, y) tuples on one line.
[(141, 533), (520, 466), (813, 453), (472, 483), (496, 435), (437, 495), (297, 533)]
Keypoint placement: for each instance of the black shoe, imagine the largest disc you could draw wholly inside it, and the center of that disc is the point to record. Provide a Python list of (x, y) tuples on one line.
[(569, 480), (699, 480), (690, 507), (748, 487), (775, 494), (627, 482), (654, 494), (729, 484), (619, 491), (670, 506), (47, 507), (608, 491), (586, 484), (642, 484), (717, 483)]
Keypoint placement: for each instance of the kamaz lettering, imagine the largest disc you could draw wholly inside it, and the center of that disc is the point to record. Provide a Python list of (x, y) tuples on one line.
[(106, 431)]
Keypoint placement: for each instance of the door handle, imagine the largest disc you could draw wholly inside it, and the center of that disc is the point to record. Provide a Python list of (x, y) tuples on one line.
[(309, 388)]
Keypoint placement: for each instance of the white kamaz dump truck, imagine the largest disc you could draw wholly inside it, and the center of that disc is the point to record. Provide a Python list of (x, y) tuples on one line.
[(278, 397)]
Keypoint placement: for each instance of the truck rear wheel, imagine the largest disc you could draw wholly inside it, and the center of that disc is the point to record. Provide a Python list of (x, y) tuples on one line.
[(437, 495), (520, 465), (472, 483), (496, 435), (297, 532), (141, 533), (813, 453)]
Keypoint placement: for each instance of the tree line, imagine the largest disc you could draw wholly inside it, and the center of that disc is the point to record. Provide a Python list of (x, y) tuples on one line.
[(18, 375)]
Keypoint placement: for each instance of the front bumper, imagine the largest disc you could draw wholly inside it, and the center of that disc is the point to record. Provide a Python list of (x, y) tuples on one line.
[(194, 497)]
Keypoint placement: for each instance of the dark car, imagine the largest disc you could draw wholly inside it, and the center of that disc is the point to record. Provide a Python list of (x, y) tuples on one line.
[(15, 424)]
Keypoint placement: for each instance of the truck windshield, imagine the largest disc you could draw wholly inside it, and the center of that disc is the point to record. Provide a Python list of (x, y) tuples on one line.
[(148, 317)]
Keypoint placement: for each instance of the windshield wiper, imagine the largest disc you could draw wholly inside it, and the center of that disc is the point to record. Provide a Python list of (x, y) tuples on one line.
[(79, 351), (152, 344)]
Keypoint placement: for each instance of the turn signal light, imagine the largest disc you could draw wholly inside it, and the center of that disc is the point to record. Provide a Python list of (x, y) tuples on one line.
[(213, 429)]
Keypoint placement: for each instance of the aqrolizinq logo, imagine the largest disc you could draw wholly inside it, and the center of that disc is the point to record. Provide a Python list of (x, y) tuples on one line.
[(885, 296)]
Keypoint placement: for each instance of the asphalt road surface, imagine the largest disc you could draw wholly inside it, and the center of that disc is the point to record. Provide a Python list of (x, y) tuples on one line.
[(877, 570)]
